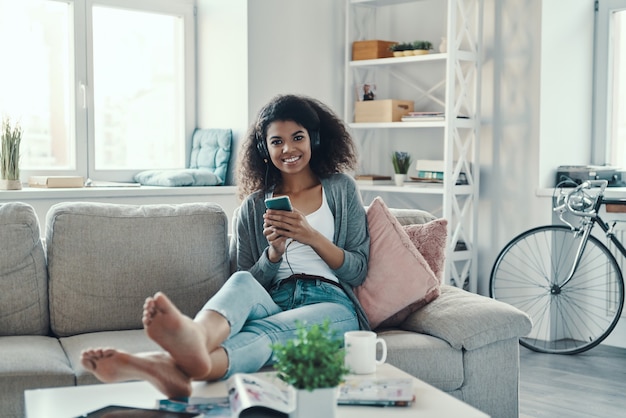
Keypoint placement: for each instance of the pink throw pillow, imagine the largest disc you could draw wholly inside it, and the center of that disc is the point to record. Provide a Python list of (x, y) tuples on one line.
[(399, 279), (430, 240)]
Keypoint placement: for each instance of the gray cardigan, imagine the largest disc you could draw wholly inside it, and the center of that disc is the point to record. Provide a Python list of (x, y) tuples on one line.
[(351, 234)]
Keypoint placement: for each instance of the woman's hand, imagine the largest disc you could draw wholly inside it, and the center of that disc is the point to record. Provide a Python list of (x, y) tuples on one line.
[(280, 225), (277, 241), (289, 224)]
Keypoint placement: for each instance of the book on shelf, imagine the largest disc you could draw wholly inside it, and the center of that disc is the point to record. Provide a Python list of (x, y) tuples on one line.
[(432, 171), (50, 182), (423, 117), (248, 395), (373, 179), (376, 391), (426, 116)]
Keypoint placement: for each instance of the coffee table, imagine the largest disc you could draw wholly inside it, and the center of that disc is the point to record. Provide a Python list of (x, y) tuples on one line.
[(70, 402)]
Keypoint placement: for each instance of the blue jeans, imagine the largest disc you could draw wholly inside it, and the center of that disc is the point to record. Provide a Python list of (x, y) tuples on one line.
[(258, 319)]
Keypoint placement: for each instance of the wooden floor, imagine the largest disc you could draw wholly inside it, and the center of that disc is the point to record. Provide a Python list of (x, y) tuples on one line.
[(591, 384)]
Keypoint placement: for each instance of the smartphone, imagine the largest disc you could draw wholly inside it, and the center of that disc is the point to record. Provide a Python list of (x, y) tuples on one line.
[(126, 411), (279, 203)]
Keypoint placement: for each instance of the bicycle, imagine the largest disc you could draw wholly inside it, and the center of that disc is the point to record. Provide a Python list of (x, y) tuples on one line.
[(563, 277)]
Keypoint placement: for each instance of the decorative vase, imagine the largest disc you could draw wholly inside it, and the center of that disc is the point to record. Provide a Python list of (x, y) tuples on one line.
[(316, 403), (399, 179), (10, 184), (443, 46)]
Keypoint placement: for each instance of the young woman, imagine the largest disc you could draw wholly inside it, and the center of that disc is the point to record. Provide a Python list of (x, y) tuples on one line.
[(292, 265)]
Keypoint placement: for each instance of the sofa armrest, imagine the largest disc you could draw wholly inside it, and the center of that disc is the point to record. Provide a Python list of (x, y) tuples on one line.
[(467, 320)]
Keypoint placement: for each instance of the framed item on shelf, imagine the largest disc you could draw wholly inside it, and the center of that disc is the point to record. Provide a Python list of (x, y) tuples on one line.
[(365, 91)]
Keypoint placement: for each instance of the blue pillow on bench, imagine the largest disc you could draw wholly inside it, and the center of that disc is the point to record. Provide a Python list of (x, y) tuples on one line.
[(208, 163)]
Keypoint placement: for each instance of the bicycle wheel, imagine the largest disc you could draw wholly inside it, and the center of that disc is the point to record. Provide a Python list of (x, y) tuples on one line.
[(567, 319)]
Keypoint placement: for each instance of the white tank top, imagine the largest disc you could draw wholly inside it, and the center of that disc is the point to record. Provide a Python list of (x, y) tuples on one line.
[(300, 258)]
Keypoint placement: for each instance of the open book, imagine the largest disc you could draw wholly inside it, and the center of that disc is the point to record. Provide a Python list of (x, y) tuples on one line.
[(248, 395)]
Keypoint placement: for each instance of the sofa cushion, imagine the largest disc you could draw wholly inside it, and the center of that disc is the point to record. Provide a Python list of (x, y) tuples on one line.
[(23, 274), (30, 362), (411, 216), (132, 341), (467, 320), (425, 357), (105, 259), (398, 275)]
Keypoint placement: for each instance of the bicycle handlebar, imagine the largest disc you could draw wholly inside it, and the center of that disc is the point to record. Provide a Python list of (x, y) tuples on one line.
[(579, 203)]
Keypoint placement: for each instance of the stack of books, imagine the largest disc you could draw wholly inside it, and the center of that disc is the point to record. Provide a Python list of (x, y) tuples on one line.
[(427, 117), (373, 179), (432, 171), (423, 117)]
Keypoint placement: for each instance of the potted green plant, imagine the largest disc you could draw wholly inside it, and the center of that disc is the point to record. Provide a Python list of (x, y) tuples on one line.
[(401, 162), (401, 49), (313, 363), (421, 47), (10, 155)]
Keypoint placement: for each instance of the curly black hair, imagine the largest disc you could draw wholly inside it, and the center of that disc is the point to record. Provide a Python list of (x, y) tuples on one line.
[(336, 152)]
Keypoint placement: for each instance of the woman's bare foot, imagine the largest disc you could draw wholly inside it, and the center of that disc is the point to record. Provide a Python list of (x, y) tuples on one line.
[(179, 335), (110, 365)]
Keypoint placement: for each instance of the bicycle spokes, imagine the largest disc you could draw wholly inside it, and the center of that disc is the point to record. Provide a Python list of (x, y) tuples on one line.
[(572, 309)]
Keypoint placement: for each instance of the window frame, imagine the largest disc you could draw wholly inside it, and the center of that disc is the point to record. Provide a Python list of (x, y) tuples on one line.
[(602, 74), (84, 141)]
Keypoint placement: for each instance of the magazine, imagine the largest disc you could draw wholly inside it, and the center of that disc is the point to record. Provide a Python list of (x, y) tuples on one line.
[(376, 391), (248, 395), (253, 395)]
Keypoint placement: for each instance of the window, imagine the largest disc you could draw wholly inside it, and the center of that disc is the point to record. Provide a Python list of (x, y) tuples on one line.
[(102, 88), (610, 84)]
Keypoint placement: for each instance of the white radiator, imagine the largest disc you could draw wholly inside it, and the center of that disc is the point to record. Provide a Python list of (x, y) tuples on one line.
[(620, 234)]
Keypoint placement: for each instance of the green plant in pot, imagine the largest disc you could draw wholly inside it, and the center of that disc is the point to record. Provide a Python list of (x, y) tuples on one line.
[(313, 363), (401, 162), (10, 155), (400, 49), (422, 47)]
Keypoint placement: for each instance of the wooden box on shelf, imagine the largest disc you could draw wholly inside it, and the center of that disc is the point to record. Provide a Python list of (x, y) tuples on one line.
[(387, 110), (369, 50)]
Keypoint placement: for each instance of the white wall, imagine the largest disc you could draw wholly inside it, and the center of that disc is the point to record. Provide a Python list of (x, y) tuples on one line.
[(536, 101), (536, 95), (252, 50)]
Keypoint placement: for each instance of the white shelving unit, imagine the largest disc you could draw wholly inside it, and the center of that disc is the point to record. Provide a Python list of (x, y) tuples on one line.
[(448, 82)]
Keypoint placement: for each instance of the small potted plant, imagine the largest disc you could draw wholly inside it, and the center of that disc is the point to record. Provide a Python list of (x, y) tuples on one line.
[(10, 155), (313, 363), (421, 47), (401, 49), (401, 162)]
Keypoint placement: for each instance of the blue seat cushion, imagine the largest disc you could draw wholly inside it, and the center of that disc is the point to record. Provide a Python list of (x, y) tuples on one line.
[(181, 177), (208, 163)]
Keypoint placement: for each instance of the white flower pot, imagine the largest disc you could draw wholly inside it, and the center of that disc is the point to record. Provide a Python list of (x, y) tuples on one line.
[(10, 184), (315, 404), (399, 179)]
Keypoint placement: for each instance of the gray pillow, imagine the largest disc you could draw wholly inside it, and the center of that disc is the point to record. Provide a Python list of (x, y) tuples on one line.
[(23, 273)]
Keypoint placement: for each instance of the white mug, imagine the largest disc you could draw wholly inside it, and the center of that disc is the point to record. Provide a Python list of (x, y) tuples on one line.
[(360, 349)]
